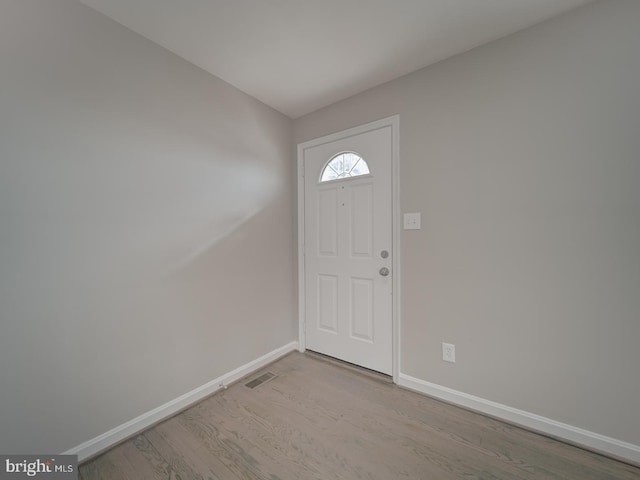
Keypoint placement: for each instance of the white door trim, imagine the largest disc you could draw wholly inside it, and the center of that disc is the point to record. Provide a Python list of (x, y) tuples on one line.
[(394, 123)]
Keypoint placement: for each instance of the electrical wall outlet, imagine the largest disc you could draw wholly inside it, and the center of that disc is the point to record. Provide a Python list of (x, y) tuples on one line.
[(449, 352)]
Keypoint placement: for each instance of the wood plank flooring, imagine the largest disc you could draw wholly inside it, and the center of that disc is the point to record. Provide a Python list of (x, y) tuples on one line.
[(319, 420)]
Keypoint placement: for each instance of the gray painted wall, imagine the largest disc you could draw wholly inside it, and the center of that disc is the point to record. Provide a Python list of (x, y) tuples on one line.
[(524, 158), (146, 230)]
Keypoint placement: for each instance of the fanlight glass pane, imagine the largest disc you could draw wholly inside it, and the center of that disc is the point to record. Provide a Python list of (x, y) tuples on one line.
[(343, 165)]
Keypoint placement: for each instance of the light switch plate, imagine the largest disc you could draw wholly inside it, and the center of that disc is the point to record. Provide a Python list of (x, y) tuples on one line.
[(412, 221)]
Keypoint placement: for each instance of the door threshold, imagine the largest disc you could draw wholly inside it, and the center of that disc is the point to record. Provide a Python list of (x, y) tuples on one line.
[(351, 366)]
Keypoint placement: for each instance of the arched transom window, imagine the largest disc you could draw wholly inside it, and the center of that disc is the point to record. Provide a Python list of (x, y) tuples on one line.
[(344, 165)]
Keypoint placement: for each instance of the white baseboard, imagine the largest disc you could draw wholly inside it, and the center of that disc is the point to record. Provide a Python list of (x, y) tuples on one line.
[(116, 435), (578, 436)]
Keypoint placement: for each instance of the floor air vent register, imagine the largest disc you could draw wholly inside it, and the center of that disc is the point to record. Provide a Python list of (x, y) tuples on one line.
[(256, 382)]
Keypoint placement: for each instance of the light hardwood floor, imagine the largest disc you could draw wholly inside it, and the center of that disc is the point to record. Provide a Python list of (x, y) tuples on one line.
[(320, 420)]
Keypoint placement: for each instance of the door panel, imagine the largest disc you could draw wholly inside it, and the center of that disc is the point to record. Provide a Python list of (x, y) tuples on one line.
[(348, 303), (328, 303), (361, 221), (327, 223), (362, 309)]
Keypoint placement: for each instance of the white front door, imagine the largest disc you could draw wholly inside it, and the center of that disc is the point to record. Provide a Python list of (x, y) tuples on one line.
[(348, 246)]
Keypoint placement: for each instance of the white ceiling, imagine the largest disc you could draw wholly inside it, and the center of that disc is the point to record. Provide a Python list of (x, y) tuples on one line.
[(301, 55)]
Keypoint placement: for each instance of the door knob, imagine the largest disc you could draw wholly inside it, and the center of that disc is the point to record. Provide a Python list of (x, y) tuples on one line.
[(384, 271)]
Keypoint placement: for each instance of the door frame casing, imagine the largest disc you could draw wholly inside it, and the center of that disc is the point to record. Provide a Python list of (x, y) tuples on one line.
[(393, 122)]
